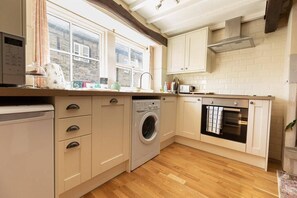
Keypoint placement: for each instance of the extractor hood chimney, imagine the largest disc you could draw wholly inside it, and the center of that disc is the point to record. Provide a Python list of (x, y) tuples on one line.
[(234, 40)]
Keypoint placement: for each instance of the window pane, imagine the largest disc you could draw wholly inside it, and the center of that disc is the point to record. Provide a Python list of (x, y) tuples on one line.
[(122, 54), (88, 42), (59, 36), (136, 79), (63, 60), (136, 59), (85, 69), (124, 77)]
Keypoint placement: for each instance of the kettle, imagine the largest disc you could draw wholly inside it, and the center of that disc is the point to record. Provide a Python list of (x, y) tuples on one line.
[(55, 76), (174, 85)]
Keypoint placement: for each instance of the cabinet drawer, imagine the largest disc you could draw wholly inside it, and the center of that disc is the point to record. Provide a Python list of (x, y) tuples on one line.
[(112, 100), (73, 106), (73, 127), (74, 162)]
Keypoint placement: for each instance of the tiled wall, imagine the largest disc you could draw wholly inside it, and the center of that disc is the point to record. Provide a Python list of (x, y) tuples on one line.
[(253, 71)]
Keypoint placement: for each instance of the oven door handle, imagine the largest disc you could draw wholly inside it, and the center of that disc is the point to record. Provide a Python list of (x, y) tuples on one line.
[(231, 109)]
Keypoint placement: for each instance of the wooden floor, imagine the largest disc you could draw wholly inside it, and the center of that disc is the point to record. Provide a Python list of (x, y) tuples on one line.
[(181, 171)]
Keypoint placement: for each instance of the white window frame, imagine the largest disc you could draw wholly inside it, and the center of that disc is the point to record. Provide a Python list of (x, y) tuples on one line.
[(129, 66), (73, 19)]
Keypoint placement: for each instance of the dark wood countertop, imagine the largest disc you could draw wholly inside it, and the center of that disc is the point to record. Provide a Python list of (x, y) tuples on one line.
[(27, 92)]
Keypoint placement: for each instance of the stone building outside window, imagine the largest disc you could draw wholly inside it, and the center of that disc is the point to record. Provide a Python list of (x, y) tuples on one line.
[(76, 49)]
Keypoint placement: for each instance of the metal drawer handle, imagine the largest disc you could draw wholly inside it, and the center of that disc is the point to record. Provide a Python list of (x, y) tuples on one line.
[(114, 101), (72, 145), (72, 107), (73, 128)]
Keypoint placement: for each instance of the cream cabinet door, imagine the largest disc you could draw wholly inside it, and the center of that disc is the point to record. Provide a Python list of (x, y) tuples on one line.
[(258, 127), (13, 17), (196, 51), (189, 117), (110, 132), (176, 54), (74, 162), (168, 118)]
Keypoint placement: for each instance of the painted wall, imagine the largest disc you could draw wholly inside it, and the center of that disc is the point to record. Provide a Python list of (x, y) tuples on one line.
[(253, 71), (289, 160)]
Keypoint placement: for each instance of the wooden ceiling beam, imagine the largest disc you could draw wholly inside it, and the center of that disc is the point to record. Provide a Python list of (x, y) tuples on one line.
[(274, 9), (127, 17)]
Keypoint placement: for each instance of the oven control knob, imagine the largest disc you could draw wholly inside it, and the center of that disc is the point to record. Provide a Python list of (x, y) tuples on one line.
[(211, 102), (235, 103)]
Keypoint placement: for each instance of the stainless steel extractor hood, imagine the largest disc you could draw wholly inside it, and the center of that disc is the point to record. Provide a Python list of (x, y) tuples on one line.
[(234, 40)]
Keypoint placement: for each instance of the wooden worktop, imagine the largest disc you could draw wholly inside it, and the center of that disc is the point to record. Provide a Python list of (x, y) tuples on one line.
[(27, 92)]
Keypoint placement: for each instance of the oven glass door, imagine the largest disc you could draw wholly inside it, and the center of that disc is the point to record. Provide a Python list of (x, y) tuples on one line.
[(233, 126)]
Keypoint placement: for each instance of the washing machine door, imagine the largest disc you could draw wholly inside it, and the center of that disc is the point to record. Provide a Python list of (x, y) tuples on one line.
[(149, 127)]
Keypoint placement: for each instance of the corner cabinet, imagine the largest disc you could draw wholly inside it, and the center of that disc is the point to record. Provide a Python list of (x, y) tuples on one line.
[(258, 127), (13, 17), (168, 118), (189, 117), (189, 53), (111, 119)]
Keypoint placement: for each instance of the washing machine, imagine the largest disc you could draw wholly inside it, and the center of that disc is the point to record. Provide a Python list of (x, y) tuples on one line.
[(145, 131)]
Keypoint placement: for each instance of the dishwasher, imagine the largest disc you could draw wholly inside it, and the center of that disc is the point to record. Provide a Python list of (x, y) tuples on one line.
[(27, 151)]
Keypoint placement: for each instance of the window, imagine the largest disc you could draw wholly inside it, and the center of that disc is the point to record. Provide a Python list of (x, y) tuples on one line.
[(129, 64), (76, 49)]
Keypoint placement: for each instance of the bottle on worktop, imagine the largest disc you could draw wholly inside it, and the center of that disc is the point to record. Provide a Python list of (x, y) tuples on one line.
[(165, 88)]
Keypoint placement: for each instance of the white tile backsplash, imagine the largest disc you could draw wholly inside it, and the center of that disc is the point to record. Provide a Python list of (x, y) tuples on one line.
[(252, 71)]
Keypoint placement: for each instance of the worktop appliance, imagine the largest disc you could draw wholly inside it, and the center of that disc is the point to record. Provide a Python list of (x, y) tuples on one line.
[(12, 60), (186, 88)]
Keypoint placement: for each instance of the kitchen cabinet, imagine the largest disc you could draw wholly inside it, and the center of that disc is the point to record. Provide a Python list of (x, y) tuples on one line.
[(258, 127), (189, 117), (74, 158), (167, 118), (13, 17), (189, 53), (73, 134), (111, 120)]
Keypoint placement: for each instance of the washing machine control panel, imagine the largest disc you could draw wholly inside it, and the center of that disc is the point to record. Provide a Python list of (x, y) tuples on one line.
[(147, 105)]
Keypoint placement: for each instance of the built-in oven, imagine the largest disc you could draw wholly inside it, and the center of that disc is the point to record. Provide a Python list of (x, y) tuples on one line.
[(225, 118)]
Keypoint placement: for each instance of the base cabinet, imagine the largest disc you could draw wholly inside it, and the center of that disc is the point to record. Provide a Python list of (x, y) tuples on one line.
[(258, 127), (74, 162), (189, 117), (168, 118), (111, 132)]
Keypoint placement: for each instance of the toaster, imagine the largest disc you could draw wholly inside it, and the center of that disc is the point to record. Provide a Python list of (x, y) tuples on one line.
[(186, 88)]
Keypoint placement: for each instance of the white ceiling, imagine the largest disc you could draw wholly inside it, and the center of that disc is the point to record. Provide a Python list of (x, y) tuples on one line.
[(173, 18)]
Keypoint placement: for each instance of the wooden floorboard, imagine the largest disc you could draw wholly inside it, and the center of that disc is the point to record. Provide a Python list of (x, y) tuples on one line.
[(181, 171)]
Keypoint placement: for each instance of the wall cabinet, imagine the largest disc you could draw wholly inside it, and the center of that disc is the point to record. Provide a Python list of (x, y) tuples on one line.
[(168, 117), (111, 132), (73, 141), (13, 17), (189, 117), (258, 127), (189, 53)]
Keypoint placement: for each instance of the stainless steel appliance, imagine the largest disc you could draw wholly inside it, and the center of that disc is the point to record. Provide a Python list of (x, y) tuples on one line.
[(225, 118), (186, 88), (12, 60)]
